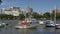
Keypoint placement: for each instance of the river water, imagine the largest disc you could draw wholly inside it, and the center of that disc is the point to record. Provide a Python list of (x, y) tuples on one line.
[(41, 29)]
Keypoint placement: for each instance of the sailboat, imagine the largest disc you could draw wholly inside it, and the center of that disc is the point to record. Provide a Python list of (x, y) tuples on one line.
[(49, 23), (57, 26), (27, 23)]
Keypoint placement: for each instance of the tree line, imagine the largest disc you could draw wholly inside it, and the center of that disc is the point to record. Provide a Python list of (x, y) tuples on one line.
[(46, 15)]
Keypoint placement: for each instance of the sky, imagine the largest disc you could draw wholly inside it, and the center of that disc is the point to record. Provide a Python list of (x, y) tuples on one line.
[(40, 6)]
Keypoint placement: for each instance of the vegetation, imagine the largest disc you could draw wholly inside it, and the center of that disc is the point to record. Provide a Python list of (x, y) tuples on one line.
[(37, 16), (46, 15), (4, 16)]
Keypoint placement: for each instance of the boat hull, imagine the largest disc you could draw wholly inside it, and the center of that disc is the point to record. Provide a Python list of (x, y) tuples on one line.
[(57, 26), (21, 27), (29, 26), (49, 24)]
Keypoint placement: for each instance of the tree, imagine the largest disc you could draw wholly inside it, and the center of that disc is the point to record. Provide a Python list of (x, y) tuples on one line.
[(58, 15), (36, 15), (47, 15), (21, 16)]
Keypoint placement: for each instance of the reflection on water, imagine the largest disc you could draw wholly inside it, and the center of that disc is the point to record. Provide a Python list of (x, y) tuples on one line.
[(57, 31), (41, 29), (27, 31)]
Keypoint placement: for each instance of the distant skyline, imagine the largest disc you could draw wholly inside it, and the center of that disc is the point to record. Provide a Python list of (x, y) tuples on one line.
[(37, 5)]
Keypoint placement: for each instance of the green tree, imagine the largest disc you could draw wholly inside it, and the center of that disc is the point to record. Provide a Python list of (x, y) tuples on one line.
[(58, 15), (21, 16), (36, 15), (47, 15)]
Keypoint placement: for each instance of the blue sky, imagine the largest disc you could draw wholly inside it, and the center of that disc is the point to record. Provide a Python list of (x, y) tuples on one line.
[(37, 5)]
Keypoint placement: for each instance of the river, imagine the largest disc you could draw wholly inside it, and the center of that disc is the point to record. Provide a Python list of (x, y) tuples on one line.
[(41, 29)]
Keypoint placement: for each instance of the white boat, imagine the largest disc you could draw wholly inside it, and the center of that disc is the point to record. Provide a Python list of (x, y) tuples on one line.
[(32, 20), (26, 24), (57, 26), (2, 24), (49, 23), (41, 22)]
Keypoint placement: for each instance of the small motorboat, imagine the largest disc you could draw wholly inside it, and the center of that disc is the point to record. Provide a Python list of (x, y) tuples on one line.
[(49, 23), (25, 24), (41, 22), (2, 24), (57, 26)]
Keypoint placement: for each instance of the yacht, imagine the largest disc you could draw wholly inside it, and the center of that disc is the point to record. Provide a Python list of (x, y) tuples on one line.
[(49, 23), (27, 24)]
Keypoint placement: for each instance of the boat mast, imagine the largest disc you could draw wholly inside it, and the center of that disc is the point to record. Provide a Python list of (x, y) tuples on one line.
[(50, 15), (55, 15), (28, 9)]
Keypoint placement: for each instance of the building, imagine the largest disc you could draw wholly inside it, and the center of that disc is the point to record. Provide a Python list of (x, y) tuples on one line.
[(8, 12), (15, 11), (57, 11), (23, 12), (30, 12), (3, 10)]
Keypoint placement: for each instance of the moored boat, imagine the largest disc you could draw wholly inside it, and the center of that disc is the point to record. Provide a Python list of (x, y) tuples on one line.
[(2, 24), (49, 23), (26, 24), (57, 26), (41, 22)]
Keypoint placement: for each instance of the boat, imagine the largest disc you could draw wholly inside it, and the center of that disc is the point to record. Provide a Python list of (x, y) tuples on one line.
[(26, 24), (41, 22), (32, 20), (57, 26), (49, 23), (2, 24)]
